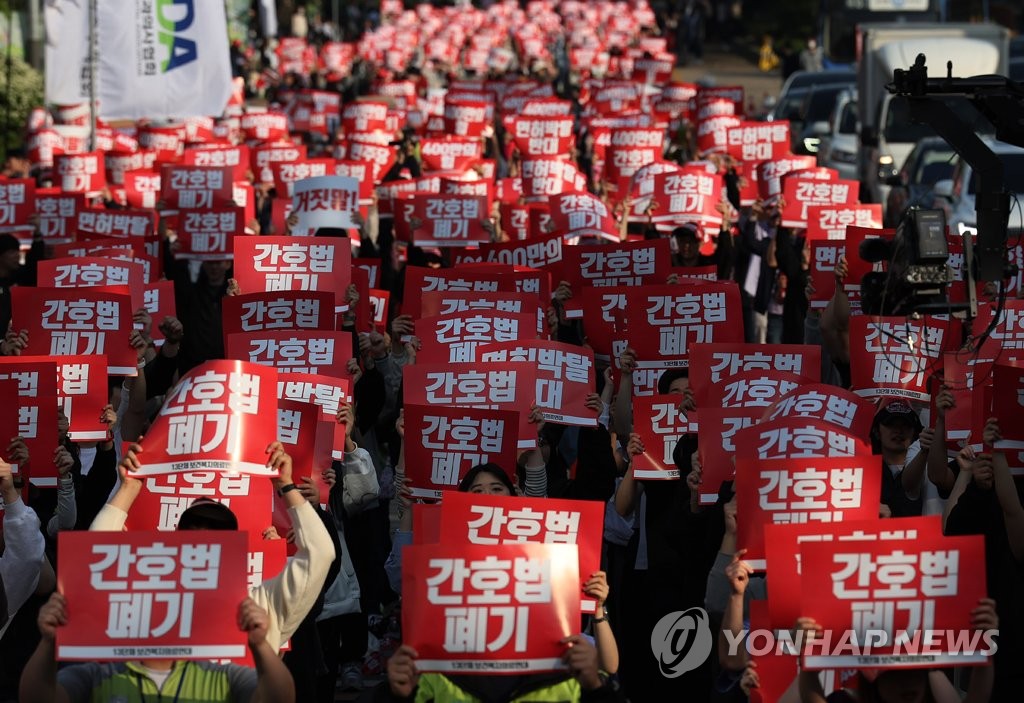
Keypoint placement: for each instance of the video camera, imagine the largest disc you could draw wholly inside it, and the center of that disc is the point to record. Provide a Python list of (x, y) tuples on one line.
[(918, 272)]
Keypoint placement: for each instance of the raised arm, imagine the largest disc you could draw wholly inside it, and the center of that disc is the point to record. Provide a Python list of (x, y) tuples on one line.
[(39, 679)]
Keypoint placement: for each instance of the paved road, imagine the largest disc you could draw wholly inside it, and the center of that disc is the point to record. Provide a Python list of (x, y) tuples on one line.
[(727, 68)]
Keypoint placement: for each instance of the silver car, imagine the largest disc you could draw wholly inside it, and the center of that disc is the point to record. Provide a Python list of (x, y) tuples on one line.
[(838, 148)]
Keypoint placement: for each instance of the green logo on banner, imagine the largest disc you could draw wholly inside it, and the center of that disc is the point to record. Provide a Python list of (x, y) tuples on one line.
[(175, 17)]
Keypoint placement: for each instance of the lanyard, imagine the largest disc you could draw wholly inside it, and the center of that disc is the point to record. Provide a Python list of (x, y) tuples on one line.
[(159, 695)]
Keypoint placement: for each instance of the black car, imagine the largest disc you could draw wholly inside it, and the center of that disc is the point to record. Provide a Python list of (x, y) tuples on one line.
[(808, 111)]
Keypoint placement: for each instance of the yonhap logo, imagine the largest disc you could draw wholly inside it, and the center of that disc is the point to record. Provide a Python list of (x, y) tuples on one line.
[(681, 641)]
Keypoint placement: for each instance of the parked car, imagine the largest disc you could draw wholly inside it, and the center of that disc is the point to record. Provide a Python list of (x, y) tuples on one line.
[(801, 80), (930, 161), (808, 111), (838, 148), (960, 190)]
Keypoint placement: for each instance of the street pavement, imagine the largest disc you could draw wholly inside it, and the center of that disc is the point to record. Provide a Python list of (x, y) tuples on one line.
[(724, 67)]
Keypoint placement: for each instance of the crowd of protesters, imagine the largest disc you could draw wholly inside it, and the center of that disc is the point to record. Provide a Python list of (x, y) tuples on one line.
[(339, 600)]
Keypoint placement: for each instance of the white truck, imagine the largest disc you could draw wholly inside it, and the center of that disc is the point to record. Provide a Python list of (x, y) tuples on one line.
[(886, 133)]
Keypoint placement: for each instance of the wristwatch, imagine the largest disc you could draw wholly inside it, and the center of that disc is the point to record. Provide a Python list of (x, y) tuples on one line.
[(286, 488)]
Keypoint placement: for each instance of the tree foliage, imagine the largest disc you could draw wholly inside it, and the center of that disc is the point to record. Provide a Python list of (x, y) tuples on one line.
[(24, 93)]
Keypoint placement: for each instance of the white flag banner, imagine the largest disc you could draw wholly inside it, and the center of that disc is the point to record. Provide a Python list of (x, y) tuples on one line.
[(162, 59), (67, 51)]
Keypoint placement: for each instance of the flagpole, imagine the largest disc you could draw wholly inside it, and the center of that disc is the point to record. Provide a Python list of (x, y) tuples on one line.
[(10, 70), (92, 74)]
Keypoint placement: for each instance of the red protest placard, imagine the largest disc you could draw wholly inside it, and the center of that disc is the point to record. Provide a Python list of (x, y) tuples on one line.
[(288, 173), (1007, 400), (831, 221), (689, 195), (209, 235), (379, 308), (665, 321), (308, 438), (264, 156), (91, 272), (748, 389), (798, 437), (365, 116), (758, 141), (661, 424), (36, 378), (196, 187), (81, 173), (968, 376), (364, 175), (583, 215), (221, 416), (782, 551), (17, 205), (710, 363), (801, 490), (565, 376), (895, 356), (484, 519), (543, 177), (510, 386), (617, 265), (58, 213), (10, 425), (444, 443), (857, 267), (770, 173), (532, 596), (265, 126), (827, 403), (324, 201), (824, 257), (142, 189), (455, 337), (327, 392), (544, 252), (630, 149), (296, 351), (450, 153), (124, 224), (82, 395), (713, 130), (439, 303), (380, 157), (279, 310), (717, 445), (802, 193), (133, 595), (419, 281), (465, 118), (165, 497), (1008, 329), (446, 220), (910, 602), (77, 321), (151, 266), (218, 155), (264, 264), (542, 136), (159, 303)]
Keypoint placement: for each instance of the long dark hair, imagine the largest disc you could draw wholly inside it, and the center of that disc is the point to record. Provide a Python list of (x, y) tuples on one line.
[(488, 468)]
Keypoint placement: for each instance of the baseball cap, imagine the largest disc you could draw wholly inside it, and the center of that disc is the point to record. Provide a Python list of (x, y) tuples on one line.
[(895, 410)]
